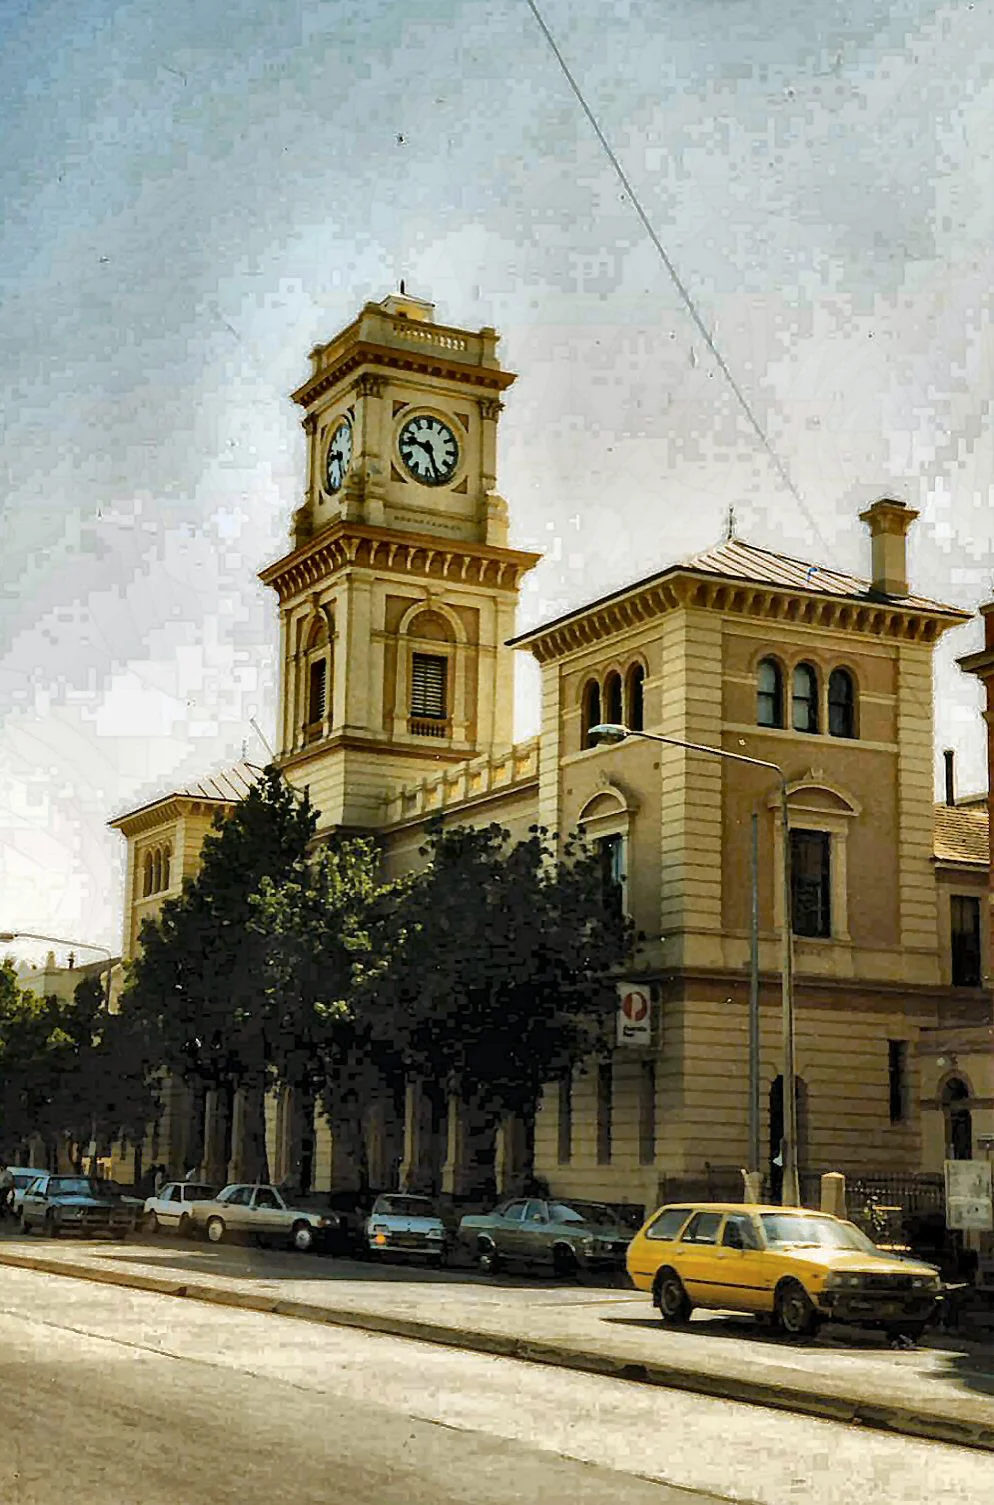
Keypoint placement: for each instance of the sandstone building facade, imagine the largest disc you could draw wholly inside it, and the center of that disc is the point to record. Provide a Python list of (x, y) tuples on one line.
[(397, 609)]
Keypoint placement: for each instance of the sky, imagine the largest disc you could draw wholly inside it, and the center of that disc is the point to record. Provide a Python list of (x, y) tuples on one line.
[(195, 194)]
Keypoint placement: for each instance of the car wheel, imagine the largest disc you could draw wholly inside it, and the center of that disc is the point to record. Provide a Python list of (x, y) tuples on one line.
[(151, 1222), (440, 1260), (564, 1260), (795, 1311), (487, 1259), (905, 1334), (671, 1298), (183, 1226), (215, 1230), (302, 1237), (52, 1227)]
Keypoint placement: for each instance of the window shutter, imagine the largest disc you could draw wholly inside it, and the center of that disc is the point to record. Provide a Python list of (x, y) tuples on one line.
[(318, 691), (429, 686)]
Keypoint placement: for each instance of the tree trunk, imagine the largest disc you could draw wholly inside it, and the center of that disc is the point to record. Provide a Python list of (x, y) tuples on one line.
[(195, 1145), (300, 1139), (255, 1159)]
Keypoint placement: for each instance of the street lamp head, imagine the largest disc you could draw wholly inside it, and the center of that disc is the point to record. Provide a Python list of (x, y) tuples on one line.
[(608, 733)]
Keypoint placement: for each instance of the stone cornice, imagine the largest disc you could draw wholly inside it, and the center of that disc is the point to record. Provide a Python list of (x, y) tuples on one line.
[(438, 357), (160, 812), (775, 605), (347, 545)]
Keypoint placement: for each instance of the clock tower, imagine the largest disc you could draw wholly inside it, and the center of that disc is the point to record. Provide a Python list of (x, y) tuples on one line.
[(399, 594)]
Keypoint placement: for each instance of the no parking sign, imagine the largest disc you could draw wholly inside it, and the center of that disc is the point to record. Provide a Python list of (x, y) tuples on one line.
[(634, 1014)]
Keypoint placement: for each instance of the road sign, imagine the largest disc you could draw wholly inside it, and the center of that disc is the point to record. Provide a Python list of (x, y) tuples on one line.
[(969, 1203), (634, 1014)]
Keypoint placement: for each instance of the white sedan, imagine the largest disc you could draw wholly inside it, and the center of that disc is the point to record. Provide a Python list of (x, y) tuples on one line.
[(170, 1206)]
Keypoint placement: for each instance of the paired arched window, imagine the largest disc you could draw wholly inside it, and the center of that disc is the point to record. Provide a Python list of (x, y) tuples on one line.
[(619, 701), (591, 714), (633, 685), (769, 693), (155, 870), (804, 699), (841, 704), (613, 707)]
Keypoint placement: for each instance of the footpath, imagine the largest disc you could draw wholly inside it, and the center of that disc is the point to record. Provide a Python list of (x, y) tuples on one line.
[(943, 1390)]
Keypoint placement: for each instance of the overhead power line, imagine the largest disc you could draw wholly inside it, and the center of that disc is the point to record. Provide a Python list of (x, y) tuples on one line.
[(678, 282)]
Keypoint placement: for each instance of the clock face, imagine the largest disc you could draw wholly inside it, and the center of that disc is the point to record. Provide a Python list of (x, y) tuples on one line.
[(429, 450), (338, 457)]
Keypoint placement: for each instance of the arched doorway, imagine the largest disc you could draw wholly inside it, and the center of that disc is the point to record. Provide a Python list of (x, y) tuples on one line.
[(958, 1119)]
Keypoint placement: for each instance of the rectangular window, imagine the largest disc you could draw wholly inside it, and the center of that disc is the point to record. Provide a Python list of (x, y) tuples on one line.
[(647, 1113), (810, 883), (611, 850), (429, 686), (964, 927), (605, 1110), (565, 1148), (897, 1073), (317, 691)]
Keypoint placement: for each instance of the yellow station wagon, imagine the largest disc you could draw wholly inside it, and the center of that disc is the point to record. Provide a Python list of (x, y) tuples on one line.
[(798, 1267)]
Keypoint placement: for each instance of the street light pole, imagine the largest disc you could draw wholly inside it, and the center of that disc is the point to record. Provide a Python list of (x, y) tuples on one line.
[(57, 940), (611, 732)]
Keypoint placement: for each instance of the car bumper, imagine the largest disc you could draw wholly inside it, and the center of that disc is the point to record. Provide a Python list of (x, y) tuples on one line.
[(877, 1309), (603, 1259), (406, 1243)]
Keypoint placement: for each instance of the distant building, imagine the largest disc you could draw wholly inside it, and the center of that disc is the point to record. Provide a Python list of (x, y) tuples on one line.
[(397, 619)]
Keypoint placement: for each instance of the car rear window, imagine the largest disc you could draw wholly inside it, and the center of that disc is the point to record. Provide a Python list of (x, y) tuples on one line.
[(668, 1223)]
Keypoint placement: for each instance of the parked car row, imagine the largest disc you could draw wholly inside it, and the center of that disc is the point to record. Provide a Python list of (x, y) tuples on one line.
[(795, 1267)]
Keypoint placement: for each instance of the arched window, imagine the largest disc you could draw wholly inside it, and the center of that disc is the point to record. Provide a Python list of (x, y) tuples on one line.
[(804, 699), (156, 870), (613, 709), (148, 875), (959, 1120), (167, 855), (769, 693), (316, 678), (591, 711), (634, 697), (841, 704)]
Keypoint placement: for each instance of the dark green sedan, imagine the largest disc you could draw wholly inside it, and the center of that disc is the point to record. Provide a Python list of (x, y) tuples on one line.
[(77, 1204), (568, 1237)]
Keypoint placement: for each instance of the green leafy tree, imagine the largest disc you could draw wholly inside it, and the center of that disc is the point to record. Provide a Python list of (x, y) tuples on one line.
[(319, 959), (36, 1051), (500, 971), (199, 983)]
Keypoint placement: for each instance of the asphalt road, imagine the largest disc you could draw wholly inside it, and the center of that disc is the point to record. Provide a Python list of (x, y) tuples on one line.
[(117, 1397)]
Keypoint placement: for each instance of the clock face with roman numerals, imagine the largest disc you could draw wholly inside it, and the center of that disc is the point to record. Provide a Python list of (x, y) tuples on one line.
[(428, 449), (338, 457)]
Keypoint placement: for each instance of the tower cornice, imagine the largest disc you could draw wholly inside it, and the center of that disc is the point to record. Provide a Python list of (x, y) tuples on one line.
[(347, 545)]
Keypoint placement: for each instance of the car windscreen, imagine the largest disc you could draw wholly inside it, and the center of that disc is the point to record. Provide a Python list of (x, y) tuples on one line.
[(192, 1193), (793, 1228), (73, 1186), (582, 1212), (404, 1207)]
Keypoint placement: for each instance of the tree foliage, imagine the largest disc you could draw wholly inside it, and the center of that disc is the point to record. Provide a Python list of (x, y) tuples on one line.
[(67, 1068), (198, 982), (499, 977)]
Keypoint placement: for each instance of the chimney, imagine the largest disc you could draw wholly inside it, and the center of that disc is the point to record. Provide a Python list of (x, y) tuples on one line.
[(950, 756), (888, 521)]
